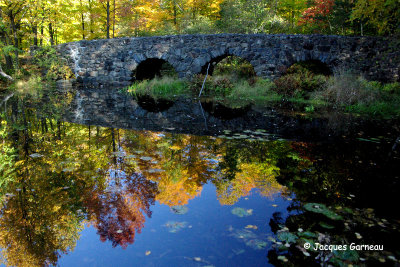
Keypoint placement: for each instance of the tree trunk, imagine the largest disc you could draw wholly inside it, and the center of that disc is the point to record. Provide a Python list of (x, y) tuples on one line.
[(51, 34), (82, 22), (35, 35), (174, 13), (114, 20), (5, 75), (90, 18), (83, 27), (41, 34), (14, 31), (108, 19)]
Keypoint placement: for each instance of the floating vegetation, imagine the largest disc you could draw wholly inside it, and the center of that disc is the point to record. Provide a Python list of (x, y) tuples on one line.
[(238, 251), (179, 209), (282, 258), (155, 170), (322, 209), (243, 234), (326, 225), (373, 140), (146, 158), (287, 237), (345, 255), (35, 155), (308, 234), (240, 212), (250, 226), (256, 244), (119, 154), (174, 226)]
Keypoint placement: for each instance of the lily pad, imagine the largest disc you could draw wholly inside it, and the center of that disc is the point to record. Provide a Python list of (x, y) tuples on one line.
[(174, 226), (243, 234), (240, 212), (155, 170), (35, 155), (119, 154), (256, 244), (287, 237), (308, 234), (179, 209), (282, 258), (346, 255), (326, 225), (322, 209), (146, 158)]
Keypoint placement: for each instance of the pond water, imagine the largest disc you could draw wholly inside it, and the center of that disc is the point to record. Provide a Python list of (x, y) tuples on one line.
[(91, 177)]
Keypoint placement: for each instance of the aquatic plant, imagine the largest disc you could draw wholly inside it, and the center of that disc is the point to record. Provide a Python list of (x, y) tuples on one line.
[(240, 212), (322, 209)]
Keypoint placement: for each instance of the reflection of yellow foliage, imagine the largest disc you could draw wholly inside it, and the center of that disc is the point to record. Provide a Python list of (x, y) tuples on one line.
[(177, 193), (252, 175)]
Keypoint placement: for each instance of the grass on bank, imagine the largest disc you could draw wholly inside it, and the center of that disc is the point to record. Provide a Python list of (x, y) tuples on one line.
[(159, 88), (353, 93), (37, 71), (344, 91)]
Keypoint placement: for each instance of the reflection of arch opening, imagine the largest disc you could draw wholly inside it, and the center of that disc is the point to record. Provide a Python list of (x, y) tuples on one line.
[(315, 66), (154, 105), (229, 64), (152, 67), (220, 111)]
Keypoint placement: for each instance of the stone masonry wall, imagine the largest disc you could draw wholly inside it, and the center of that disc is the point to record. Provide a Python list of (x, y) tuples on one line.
[(111, 62)]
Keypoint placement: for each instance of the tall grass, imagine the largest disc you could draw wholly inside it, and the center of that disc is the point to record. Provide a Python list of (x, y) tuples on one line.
[(355, 94), (346, 88), (164, 87)]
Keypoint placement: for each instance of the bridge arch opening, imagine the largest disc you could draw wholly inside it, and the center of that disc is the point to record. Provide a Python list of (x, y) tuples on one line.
[(153, 67), (302, 78), (315, 66), (229, 64)]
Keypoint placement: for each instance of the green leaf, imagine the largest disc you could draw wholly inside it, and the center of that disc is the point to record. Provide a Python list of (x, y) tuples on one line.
[(287, 237)]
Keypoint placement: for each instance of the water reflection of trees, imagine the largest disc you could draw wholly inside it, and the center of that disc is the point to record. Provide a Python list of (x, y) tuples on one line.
[(56, 176)]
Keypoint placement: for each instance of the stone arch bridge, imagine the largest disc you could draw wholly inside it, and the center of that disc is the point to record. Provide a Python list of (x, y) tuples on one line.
[(112, 62)]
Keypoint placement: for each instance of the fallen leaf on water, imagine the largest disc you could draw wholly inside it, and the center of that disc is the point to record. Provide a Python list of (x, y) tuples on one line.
[(197, 258), (282, 258), (148, 252), (35, 155), (250, 226), (274, 205)]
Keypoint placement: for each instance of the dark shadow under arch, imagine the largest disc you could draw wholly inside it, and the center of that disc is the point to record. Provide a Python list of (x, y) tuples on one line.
[(151, 68), (228, 57), (315, 66), (223, 112)]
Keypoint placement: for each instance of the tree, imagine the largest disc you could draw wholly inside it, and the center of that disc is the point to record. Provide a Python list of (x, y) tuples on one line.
[(383, 16), (317, 14)]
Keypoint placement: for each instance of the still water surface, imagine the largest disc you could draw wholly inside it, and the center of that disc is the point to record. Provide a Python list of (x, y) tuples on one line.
[(93, 178)]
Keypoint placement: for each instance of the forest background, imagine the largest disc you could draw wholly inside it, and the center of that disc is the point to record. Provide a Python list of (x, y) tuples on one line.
[(24, 23)]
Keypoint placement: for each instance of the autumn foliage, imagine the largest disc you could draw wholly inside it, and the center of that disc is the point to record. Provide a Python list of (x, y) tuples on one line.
[(317, 13)]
